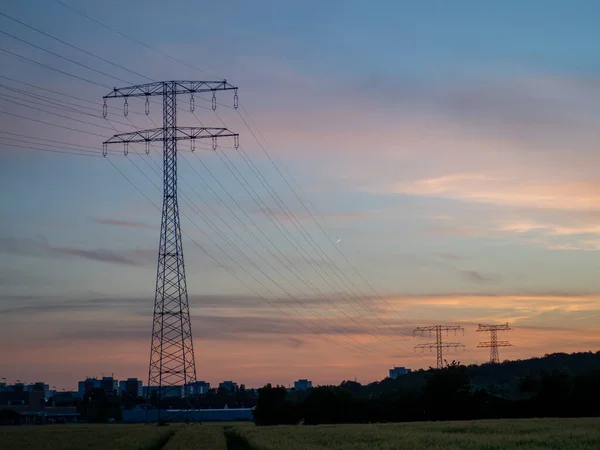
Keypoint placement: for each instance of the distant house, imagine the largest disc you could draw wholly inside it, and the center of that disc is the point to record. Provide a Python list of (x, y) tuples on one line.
[(398, 371), (302, 385), (228, 386)]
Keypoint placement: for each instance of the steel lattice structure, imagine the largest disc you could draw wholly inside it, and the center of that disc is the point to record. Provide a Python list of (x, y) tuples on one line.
[(172, 365), (494, 343), (439, 345)]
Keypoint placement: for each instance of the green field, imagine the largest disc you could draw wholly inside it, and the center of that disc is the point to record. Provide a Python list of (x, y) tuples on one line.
[(493, 434)]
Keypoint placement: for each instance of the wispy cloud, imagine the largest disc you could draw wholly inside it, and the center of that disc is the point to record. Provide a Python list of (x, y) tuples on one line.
[(122, 223), (475, 276), (449, 255), (31, 247)]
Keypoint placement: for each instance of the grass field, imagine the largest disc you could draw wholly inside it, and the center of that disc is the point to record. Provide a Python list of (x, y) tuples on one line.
[(493, 434)]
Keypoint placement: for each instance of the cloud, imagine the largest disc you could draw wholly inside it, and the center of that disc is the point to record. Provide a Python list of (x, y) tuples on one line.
[(516, 190), (472, 275), (295, 342), (475, 276), (449, 255), (122, 223), (31, 247)]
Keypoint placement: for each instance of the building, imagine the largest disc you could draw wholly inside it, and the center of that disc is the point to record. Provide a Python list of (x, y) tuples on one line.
[(398, 371), (66, 398), (302, 385), (33, 400), (197, 388), (167, 391), (229, 386), (17, 387), (40, 387), (29, 407), (108, 384), (132, 387)]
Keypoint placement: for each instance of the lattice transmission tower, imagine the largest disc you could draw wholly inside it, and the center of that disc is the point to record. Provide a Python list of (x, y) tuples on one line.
[(494, 343), (439, 345), (172, 367)]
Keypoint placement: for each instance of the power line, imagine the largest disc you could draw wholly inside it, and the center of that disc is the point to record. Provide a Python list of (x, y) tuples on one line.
[(53, 150), (211, 224), (295, 244), (56, 114), (54, 68), (324, 333), (75, 47), (333, 267), (62, 57), (53, 91), (55, 105), (296, 273), (307, 209), (95, 151), (47, 140), (132, 39), (49, 123)]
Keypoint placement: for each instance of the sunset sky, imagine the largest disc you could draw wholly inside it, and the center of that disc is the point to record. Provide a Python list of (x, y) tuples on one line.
[(448, 151)]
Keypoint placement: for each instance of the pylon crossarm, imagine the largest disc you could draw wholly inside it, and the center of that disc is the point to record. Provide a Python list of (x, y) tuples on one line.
[(203, 132), (180, 87), (496, 344), (181, 134), (136, 136), (425, 346), (452, 344), (503, 327)]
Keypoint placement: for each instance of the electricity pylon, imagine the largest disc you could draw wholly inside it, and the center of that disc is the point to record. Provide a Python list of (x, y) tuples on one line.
[(439, 345), (494, 343), (172, 368)]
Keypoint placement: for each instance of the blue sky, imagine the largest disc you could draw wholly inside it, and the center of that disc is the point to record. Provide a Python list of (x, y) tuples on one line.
[(449, 152)]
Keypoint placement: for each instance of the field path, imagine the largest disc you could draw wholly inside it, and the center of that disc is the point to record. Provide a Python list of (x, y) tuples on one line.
[(236, 441)]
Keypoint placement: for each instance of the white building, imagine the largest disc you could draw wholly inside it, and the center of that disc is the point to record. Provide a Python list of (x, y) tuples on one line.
[(197, 388)]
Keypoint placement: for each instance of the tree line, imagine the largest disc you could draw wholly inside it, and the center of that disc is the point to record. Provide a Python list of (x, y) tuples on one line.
[(557, 385)]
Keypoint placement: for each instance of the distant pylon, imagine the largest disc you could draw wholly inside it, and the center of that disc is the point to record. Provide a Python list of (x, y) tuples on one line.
[(494, 343), (438, 344)]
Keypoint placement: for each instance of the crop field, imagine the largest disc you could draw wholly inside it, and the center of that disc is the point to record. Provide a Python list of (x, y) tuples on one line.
[(493, 434)]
